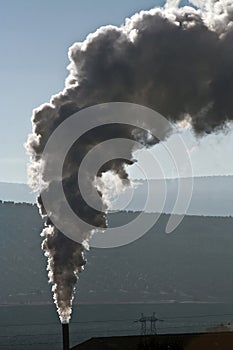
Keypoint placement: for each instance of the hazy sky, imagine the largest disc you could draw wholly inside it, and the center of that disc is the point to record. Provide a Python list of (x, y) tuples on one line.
[(35, 37)]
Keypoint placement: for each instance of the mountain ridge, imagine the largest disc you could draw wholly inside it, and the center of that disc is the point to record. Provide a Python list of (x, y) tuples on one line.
[(211, 196)]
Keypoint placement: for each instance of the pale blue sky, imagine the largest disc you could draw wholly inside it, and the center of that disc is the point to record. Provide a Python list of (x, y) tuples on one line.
[(35, 37)]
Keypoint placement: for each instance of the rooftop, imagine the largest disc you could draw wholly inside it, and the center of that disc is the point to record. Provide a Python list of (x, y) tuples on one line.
[(197, 341)]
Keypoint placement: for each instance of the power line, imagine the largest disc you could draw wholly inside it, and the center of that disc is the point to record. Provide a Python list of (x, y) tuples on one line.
[(197, 316), (96, 332), (115, 320), (28, 344), (107, 330)]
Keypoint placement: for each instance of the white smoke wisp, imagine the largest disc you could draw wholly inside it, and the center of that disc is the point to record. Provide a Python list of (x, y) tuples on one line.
[(177, 61), (218, 14), (65, 262), (112, 187)]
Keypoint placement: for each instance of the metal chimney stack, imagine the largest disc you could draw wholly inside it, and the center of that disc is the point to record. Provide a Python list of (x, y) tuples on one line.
[(65, 336)]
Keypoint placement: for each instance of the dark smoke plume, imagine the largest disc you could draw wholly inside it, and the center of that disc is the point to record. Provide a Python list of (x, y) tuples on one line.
[(177, 61)]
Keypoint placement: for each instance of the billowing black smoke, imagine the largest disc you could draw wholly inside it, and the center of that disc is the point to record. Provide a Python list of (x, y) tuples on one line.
[(178, 62)]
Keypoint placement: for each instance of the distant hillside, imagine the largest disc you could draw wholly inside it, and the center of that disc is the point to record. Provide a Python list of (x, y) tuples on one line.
[(16, 193), (212, 196), (192, 264)]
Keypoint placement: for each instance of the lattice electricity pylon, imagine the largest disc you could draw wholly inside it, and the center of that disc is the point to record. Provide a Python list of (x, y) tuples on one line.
[(152, 320), (153, 323), (143, 321)]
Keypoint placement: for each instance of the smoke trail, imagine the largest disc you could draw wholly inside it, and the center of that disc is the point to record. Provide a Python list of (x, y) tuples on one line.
[(177, 61)]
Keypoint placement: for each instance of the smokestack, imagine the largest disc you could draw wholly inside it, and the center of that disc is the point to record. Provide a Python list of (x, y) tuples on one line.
[(177, 61), (65, 336)]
